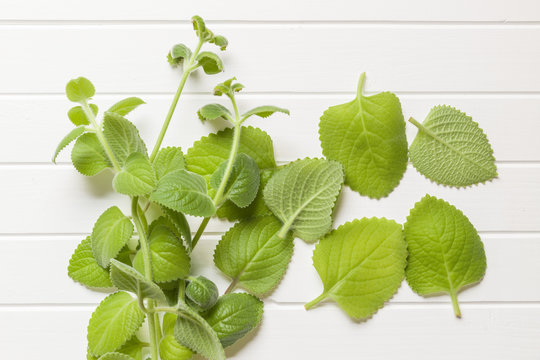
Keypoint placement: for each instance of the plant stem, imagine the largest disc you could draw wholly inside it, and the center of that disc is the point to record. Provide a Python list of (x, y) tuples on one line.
[(187, 71), (360, 88), (199, 232), (315, 301), (455, 304), (232, 286)]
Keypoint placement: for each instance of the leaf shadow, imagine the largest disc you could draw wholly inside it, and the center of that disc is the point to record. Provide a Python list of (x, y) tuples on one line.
[(100, 185)]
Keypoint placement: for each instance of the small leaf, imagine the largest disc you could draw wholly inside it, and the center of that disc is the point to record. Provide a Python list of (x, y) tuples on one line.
[(198, 25), (219, 41), (73, 135), (264, 111), (195, 333), (113, 323), (122, 136), (361, 265), (451, 149), (243, 181), (111, 232), (134, 348), (367, 136), (115, 356), (445, 251), (303, 194), (88, 155), (184, 192), (179, 221), (253, 254), (210, 62), (80, 89), (78, 117), (124, 107), (234, 316), (137, 177), (168, 159), (170, 349), (178, 54), (84, 269), (125, 277), (213, 112), (202, 292)]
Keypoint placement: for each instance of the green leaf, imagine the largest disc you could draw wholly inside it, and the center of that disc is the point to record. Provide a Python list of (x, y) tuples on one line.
[(88, 155), (73, 134), (122, 136), (179, 221), (170, 349), (234, 316), (198, 25), (124, 107), (137, 176), (213, 112), (361, 265), (125, 277), (178, 54), (170, 260), (219, 41), (168, 159), (202, 292), (84, 269), (303, 194), (113, 323), (115, 356), (78, 117), (185, 192), (253, 254), (195, 333), (243, 182), (79, 89), (264, 111), (451, 149), (134, 348), (445, 251), (210, 62), (111, 232), (367, 136)]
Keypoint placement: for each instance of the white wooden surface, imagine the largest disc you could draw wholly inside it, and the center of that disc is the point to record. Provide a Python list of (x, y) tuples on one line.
[(478, 55)]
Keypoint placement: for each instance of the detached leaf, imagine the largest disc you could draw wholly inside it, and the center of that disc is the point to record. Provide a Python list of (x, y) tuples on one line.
[(124, 107), (80, 89), (451, 149), (88, 156), (110, 234), (445, 251), (243, 182), (115, 356), (264, 111), (168, 159), (213, 112), (361, 265), (253, 254), (122, 136), (367, 136), (73, 135), (113, 323), (78, 117), (125, 277), (210, 62), (84, 269), (303, 194), (137, 177), (178, 54), (202, 293), (184, 192)]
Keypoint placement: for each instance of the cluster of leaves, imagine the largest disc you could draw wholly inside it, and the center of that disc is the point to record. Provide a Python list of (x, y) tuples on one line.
[(232, 174)]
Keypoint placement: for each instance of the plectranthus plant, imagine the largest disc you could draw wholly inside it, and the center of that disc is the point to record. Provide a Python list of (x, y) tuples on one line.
[(159, 309)]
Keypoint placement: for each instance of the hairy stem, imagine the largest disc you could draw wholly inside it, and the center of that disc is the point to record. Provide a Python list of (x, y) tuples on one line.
[(232, 286), (315, 301), (199, 232)]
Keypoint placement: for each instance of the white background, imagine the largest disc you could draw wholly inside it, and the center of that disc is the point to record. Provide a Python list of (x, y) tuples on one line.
[(482, 56)]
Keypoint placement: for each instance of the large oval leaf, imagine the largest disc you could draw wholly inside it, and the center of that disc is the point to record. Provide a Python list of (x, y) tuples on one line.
[(137, 176), (122, 136), (110, 234), (88, 156), (84, 268)]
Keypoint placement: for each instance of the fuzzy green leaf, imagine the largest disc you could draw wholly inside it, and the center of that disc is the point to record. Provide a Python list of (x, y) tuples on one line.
[(115, 356), (445, 251), (137, 176), (361, 264), (451, 149), (178, 54), (253, 254), (78, 117), (264, 111), (122, 136), (219, 41), (198, 25), (88, 155), (192, 331), (213, 112), (367, 136), (202, 292), (113, 323), (210, 62), (303, 194), (73, 134), (134, 348), (84, 269), (80, 89), (185, 192), (125, 277), (179, 221), (125, 106), (111, 232), (243, 182), (170, 349), (168, 159)]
